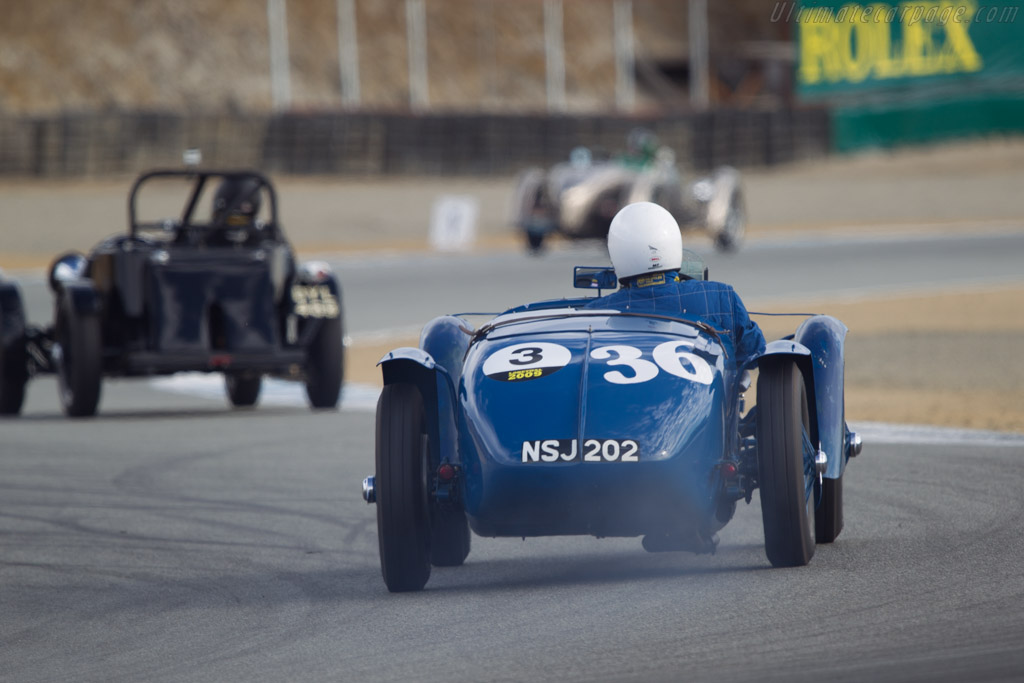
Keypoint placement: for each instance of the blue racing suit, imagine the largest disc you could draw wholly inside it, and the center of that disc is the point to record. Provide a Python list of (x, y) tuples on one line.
[(715, 303)]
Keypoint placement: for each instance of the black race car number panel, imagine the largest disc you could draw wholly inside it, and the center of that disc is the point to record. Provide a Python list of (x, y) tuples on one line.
[(594, 450), (527, 361)]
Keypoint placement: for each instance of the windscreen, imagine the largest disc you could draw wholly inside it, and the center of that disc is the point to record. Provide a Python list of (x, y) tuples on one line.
[(162, 202)]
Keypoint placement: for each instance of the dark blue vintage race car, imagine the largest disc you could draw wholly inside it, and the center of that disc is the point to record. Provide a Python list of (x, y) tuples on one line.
[(552, 419), (210, 284)]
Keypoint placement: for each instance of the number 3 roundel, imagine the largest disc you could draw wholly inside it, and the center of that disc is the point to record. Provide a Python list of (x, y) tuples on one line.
[(526, 361)]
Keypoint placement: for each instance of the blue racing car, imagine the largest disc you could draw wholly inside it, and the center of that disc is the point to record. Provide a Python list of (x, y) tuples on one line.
[(554, 419)]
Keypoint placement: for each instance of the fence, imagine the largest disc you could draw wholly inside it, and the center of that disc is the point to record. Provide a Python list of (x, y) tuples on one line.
[(97, 144)]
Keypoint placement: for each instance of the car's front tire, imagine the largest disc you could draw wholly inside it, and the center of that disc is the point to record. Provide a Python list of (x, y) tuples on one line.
[(403, 517), (783, 422), (79, 361)]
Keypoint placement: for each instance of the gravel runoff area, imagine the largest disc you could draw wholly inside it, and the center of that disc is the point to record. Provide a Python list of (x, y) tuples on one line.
[(902, 365)]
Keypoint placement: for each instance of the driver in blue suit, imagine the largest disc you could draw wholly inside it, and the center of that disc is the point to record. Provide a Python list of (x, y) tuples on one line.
[(646, 250)]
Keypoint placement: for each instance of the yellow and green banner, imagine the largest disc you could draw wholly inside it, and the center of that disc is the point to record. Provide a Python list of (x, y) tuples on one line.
[(847, 47), (911, 71)]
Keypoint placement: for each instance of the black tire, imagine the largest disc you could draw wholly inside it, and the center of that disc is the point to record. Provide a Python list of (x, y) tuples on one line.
[(828, 515), (325, 367), (13, 377), (782, 420), (12, 396), (449, 538), (403, 518), (534, 241), (80, 362), (243, 389), (828, 493)]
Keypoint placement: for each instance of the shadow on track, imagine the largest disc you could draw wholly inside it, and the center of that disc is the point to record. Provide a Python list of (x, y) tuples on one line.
[(165, 413)]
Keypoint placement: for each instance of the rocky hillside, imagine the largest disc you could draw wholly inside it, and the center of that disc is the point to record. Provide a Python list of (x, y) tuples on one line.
[(210, 55)]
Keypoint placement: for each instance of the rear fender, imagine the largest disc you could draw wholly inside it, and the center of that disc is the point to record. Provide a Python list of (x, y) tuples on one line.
[(409, 365), (825, 338), (81, 296), (117, 265), (446, 340), (785, 349), (130, 267)]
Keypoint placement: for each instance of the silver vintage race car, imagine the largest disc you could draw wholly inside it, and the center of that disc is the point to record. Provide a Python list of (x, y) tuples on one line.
[(578, 198)]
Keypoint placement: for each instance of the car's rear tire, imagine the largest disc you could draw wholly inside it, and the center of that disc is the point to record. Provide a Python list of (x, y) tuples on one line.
[(828, 515), (13, 378), (449, 537), (243, 389), (325, 364), (13, 375), (403, 518), (79, 362), (828, 494), (782, 424), (12, 394)]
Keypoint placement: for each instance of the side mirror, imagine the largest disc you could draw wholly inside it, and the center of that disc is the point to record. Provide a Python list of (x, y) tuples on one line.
[(69, 266), (594, 277)]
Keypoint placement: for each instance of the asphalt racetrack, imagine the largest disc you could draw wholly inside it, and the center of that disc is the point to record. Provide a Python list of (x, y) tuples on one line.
[(173, 539)]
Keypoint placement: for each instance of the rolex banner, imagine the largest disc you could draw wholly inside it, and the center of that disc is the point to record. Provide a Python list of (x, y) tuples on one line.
[(852, 47)]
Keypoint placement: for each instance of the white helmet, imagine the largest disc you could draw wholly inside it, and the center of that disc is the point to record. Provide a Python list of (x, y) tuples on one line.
[(644, 238)]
